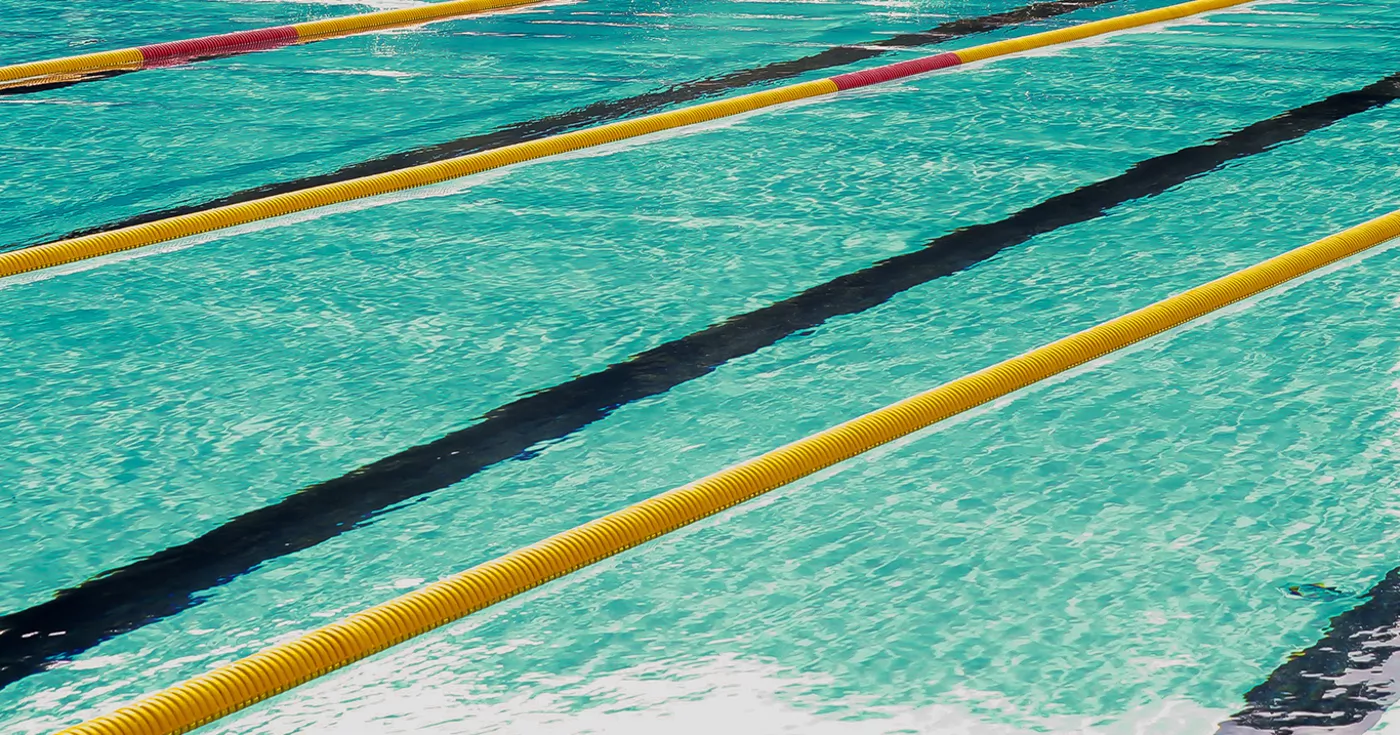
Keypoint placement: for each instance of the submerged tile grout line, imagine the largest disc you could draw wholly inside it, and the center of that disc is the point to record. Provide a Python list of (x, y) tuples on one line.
[(234, 686), (47, 74), (168, 582), (61, 252), (611, 110)]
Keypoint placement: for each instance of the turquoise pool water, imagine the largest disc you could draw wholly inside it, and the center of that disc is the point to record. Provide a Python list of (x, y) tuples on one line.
[(1107, 554)]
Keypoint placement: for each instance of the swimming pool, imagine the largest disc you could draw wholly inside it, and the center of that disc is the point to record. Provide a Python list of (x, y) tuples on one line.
[(1111, 551)]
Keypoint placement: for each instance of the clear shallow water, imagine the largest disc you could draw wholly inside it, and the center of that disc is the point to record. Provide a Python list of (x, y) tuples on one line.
[(1108, 550)]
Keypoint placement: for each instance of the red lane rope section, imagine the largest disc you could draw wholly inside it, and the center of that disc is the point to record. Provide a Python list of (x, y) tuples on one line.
[(178, 52), (851, 80)]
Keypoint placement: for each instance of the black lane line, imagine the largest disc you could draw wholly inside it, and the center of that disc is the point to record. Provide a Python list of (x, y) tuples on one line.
[(611, 110), (175, 579), (1341, 684)]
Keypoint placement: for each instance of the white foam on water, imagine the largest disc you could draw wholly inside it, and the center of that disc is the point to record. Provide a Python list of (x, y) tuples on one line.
[(725, 693), (1389, 722)]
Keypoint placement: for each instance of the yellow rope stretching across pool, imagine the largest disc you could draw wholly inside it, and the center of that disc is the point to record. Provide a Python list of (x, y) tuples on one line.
[(186, 225), (237, 685), (416, 15), (131, 58)]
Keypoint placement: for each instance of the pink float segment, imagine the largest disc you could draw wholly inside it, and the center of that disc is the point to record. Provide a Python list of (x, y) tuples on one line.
[(889, 72), (178, 52)]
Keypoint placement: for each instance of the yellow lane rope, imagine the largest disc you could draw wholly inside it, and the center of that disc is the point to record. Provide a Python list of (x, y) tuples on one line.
[(276, 669), (68, 68), (90, 246), (346, 25)]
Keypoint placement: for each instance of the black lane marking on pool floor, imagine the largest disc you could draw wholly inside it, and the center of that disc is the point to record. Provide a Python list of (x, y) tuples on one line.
[(1339, 685), (612, 110), (161, 585)]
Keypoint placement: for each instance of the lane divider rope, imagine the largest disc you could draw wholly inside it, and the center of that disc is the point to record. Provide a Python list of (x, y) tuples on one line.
[(179, 52), (61, 252), (278, 668)]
